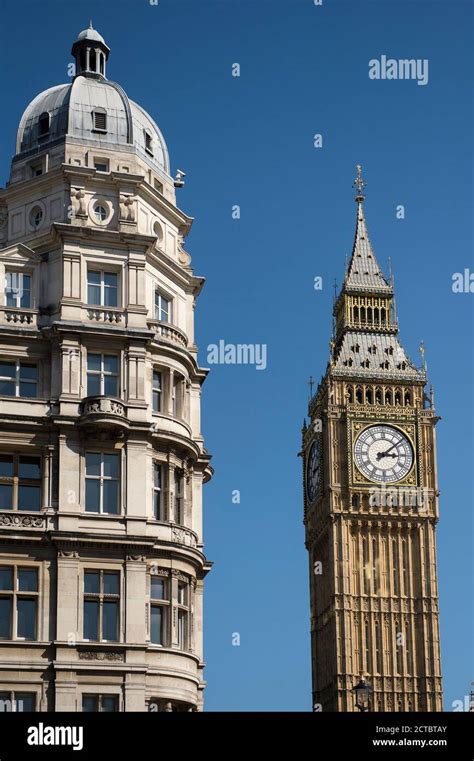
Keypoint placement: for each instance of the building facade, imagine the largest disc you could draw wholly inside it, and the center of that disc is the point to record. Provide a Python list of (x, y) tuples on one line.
[(102, 460), (371, 505)]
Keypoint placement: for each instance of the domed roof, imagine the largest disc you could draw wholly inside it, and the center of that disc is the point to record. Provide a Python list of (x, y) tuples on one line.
[(71, 109), (90, 34)]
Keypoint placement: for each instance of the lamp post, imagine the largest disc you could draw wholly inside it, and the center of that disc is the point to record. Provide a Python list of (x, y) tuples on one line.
[(362, 692)]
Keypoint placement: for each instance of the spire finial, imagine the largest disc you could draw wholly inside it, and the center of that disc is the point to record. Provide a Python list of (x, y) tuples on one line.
[(90, 24), (360, 184)]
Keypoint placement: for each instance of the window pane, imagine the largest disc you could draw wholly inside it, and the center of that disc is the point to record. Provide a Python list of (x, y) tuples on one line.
[(156, 380), (6, 578), (89, 704), (93, 385), (5, 617), (93, 277), (30, 390), (110, 624), (28, 580), (11, 298), (25, 701), (182, 594), (110, 279), (6, 466), (110, 363), (109, 703), (110, 497), (111, 465), (93, 362), (26, 282), (157, 588), (156, 629), (110, 296), (156, 401), (25, 300), (93, 294), (91, 619), (29, 467), (29, 497), (93, 463), (28, 372), (111, 385), (6, 497), (111, 583), (7, 369), (157, 476), (7, 388), (92, 496), (157, 505), (26, 613), (91, 582), (5, 702)]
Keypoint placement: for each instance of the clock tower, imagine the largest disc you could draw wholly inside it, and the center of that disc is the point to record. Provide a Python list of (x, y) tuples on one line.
[(371, 505)]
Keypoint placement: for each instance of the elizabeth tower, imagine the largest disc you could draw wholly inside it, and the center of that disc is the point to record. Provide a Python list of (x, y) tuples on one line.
[(371, 505)]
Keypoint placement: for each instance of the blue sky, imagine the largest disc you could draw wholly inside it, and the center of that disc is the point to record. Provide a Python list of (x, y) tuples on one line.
[(249, 141)]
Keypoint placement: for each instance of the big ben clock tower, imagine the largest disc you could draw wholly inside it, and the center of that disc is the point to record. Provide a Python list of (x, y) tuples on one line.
[(371, 505)]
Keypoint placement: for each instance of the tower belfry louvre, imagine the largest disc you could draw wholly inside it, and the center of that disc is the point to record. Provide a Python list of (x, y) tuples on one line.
[(102, 459), (371, 505)]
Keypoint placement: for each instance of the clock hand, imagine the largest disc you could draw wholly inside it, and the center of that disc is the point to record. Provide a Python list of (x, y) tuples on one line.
[(385, 454)]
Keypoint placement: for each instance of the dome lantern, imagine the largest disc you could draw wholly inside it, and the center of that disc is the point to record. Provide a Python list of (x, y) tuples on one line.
[(91, 53)]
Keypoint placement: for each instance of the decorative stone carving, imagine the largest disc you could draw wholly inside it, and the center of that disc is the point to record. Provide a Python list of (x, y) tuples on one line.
[(158, 571), (67, 553), (104, 315), (137, 558), (78, 202), (183, 536), (178, 575), (127, 208), (104, 405), (22, 521), (101, 655)]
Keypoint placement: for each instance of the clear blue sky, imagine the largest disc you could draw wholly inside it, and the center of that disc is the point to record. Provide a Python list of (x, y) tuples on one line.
[(249, 141)]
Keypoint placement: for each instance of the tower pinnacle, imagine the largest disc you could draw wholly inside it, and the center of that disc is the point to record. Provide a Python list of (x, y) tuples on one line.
[(360, 184)]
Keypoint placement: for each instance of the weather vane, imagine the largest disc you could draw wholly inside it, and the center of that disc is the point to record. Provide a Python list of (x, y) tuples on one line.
[(359, 183)]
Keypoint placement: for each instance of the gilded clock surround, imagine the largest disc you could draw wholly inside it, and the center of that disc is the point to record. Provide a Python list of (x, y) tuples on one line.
[(374, 606)]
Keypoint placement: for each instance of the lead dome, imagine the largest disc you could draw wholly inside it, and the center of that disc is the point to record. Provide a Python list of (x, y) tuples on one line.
[(92, 110)]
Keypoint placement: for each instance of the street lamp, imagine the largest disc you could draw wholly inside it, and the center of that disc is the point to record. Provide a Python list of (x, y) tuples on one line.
[(362, 691)]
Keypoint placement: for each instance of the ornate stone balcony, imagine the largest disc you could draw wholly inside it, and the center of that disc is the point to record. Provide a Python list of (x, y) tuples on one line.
[(164, 331), (19, 317), (107, 315), (103, 410)]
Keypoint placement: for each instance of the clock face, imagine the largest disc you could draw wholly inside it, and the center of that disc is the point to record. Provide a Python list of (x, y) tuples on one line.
[(313, 470), (383, 453)]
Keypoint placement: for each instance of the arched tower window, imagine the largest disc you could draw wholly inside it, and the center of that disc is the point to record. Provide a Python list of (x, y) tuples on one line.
[(382, 316), (92, 61), (398, 396), (359, 395), (356, 314), (388, 396), (376, 315), (368, 396), (362, 314), (378, 395), (350, 394), (369, 315), (407, 398)]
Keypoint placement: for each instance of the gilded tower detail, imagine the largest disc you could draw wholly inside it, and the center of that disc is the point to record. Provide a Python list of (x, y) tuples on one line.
[(371, 505), (102, 460)]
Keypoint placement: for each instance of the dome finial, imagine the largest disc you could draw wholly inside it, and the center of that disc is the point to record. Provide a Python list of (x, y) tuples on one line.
[(360, 184), (90, 24)]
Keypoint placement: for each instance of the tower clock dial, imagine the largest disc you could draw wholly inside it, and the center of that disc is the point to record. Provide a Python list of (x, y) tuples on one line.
[(313, 470), (383, 453)]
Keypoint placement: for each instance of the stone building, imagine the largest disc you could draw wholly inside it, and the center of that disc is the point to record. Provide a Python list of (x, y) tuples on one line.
[(102, 459), (371, 506)]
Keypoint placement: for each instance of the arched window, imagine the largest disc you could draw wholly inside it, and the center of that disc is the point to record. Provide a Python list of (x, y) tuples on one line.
[(359, 395), (350, 394), (355, 500), (368, 396), (369, 314), (378, 648), (396, 585), (374, 566), (43, 124), (365, 566), (356, 314), (101, 62), (362, 314), (398, 397), (93, 60), (367, 647), (382, 316), (388, 396), (376, 315), (407, 398), (378, 395)]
